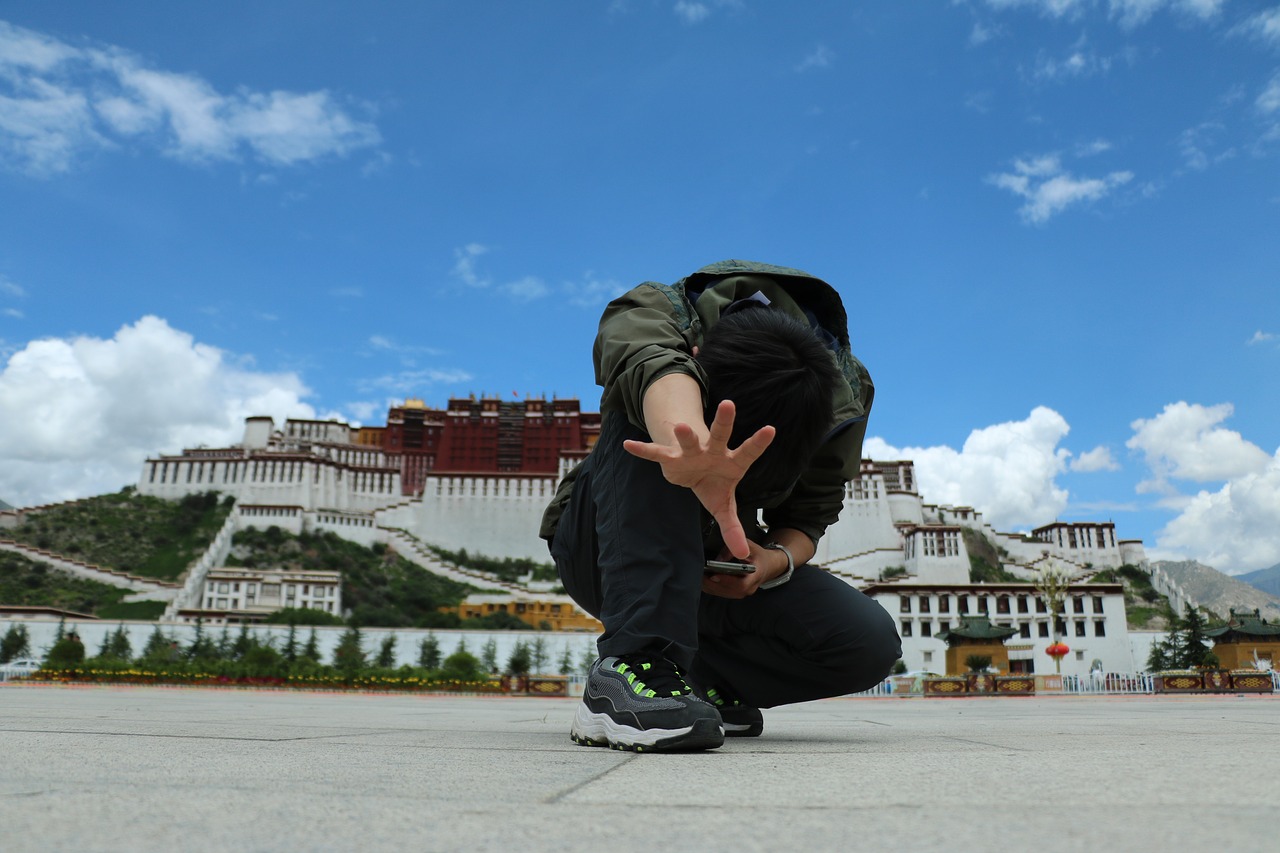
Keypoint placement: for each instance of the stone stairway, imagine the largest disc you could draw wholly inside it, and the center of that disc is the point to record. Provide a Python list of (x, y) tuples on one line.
[(412, 549), (153, 588)]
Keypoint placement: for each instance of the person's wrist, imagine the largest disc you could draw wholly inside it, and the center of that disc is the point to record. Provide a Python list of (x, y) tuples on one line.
[(787, 563)]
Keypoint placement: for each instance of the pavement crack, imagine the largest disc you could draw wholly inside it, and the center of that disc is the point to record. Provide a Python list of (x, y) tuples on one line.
[(988, 744), (585, 782), (174, 737)]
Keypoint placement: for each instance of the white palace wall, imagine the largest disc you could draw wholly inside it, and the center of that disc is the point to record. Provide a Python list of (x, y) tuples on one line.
[(354, 489), (294, 480), (495, 516)]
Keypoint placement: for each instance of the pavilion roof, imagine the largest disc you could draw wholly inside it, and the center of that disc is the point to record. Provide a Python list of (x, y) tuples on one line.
[(1247, 624), (976, 628)]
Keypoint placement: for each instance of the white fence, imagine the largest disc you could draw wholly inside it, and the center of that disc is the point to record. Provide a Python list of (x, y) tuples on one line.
[(1111, 683)]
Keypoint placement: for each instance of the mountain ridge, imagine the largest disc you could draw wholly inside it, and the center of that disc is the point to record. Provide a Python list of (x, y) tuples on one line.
[(1217, 591), (1267, 580)]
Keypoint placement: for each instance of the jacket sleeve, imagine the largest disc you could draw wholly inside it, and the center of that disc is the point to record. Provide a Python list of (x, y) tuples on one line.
[(641, 338)]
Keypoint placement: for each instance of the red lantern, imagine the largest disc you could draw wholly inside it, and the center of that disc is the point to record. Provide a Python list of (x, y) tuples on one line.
[(1057, 650)]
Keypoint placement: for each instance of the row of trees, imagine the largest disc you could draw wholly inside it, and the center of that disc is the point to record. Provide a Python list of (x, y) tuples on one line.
[(244, 654), (1186, 647)]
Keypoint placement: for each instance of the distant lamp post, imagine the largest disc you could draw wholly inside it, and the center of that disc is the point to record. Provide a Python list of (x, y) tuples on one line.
[(1052, 586), (1057, 651)]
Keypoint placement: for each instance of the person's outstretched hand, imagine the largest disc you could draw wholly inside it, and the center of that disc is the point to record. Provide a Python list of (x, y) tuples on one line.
[(710, 469)]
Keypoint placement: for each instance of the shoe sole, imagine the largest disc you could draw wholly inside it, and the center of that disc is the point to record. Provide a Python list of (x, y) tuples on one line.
[(743, 730), (591, 729)]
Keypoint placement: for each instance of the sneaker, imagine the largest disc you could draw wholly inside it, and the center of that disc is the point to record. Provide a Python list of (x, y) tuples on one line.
[(642, 703), (739, 720)]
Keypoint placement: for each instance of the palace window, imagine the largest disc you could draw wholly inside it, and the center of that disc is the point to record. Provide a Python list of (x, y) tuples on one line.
[(926, 628), (1079, 628), (904, 604), (924, 604), (1099, 628), (906, 628), (944, 604), (1002, 604), (1022, 604), (1077, 605), (1044, 629), (1097, 604)]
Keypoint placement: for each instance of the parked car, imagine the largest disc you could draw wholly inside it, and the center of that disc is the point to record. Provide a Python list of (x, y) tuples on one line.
[(20, 667)]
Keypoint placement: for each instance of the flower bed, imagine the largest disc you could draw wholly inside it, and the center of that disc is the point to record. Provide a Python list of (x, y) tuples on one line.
[(378, 683)]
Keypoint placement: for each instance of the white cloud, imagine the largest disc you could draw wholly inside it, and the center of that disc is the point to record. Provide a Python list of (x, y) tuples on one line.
[(691, 12), (9, 288), (1128, 12), (1050, 8), (821, 57), (1260, 337), (1091, 149), (1049, 189), (413, 381), (592, 291), (1007, 471), (14, 313), (1185, 442), (981, 34), (526, 289), (59, 103), (1236, 528), (1200, 147), (1133, 12), (1078, 63), (464, 266), (1268, 101), (86, 412), (1098, 459), (695, 12), (1264, 26)]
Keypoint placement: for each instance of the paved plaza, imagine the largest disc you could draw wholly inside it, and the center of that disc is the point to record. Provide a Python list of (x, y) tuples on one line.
[(155, 769)]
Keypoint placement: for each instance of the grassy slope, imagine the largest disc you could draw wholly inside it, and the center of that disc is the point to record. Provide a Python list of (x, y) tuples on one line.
[(1145, 609), (129, 532), (378, 586)]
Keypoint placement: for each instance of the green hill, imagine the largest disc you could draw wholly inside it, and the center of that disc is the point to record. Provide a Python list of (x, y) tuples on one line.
[(379, 587), (1145, 609), (129, 532), (33, 584), (4, 506)]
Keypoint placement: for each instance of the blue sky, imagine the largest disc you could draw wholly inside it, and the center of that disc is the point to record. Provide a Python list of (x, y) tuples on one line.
[(1053, 222)]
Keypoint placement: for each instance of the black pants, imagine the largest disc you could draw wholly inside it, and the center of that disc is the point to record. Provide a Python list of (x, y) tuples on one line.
[(629, 550)]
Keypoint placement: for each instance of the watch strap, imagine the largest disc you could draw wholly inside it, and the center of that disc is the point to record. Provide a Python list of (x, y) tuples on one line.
[(791, 566)]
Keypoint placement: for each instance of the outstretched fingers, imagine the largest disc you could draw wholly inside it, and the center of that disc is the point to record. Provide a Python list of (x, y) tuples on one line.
[(755, 446), (722, 424)]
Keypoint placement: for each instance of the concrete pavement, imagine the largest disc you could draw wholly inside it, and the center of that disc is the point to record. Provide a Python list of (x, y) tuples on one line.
[(151, 769)]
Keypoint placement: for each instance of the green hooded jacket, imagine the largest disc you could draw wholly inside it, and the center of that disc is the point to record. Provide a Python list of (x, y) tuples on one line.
[(651, 331)]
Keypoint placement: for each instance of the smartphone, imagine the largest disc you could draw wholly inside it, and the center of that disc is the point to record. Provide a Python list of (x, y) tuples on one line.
[(721, 567)]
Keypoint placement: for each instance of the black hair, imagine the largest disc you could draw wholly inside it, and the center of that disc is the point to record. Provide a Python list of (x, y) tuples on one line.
[(779, 373)]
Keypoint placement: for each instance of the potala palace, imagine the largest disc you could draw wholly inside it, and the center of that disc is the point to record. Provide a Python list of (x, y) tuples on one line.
[(478, 474)]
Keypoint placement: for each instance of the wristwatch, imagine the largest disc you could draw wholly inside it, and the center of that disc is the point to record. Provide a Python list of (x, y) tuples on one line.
[(785, 576)]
